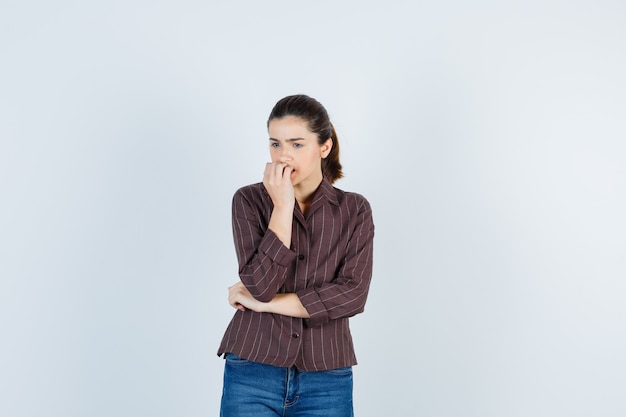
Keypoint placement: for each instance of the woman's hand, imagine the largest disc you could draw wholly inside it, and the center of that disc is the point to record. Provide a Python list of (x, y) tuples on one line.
[(239, 297), (277, 182)]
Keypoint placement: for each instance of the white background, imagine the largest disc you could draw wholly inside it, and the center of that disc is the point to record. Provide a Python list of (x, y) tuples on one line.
[(488, 136)]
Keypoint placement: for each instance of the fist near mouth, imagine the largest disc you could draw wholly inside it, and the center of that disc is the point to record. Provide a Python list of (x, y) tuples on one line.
[(277, 181)]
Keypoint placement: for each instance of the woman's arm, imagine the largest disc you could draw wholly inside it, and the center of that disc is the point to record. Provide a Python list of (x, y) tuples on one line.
[(346, 294), (285, 304), (263, 258), (263, 248)]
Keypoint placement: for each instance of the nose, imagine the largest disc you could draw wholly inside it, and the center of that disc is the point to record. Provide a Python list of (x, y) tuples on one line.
[(285, 154)]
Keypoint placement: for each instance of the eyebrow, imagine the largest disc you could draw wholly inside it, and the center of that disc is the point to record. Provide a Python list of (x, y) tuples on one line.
[(288, 140)]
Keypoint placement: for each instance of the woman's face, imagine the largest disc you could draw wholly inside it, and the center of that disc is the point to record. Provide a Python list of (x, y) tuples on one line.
[(292, 143)]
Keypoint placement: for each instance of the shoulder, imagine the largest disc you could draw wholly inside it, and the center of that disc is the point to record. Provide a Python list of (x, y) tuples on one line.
[(255, 194), (358, 209), (256, 189), (352, 200)]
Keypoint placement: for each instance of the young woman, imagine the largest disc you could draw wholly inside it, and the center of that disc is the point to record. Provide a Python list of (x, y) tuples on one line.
[(305, 263)]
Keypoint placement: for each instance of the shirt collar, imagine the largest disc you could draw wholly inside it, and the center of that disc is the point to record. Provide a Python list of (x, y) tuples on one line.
[(326, 191)]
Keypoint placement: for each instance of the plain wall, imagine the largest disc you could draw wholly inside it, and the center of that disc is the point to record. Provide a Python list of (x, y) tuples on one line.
[(489, 138)]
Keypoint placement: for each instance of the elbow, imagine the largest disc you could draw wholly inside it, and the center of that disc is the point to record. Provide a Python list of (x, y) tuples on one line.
[(358, 306)]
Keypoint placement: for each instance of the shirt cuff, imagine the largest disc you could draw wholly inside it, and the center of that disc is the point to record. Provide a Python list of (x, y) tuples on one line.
[(272, 247), (312, 302)]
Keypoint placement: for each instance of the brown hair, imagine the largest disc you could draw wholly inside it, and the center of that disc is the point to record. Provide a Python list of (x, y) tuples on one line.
[(312, 111)]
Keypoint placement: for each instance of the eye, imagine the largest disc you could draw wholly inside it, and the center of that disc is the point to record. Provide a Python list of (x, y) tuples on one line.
[(274, 144), (297, 145)]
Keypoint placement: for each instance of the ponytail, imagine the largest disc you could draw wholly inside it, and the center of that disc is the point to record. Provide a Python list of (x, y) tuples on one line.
[(331, 166)]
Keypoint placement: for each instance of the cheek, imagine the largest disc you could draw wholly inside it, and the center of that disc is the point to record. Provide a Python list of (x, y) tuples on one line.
[(311, 161)]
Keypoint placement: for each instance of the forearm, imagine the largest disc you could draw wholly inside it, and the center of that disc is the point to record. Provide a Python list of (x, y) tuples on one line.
[(281, 224), (287, 305)]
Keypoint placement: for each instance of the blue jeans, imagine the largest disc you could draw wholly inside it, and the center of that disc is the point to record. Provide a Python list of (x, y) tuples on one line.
[(257, 390)]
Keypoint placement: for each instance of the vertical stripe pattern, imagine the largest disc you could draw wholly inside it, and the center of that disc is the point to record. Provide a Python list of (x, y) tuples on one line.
[(329, 267)]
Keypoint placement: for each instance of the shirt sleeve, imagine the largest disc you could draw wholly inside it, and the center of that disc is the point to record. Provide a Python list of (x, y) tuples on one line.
[(346, 294), (263, 259)]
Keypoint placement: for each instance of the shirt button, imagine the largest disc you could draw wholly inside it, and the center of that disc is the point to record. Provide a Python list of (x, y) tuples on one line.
[(295, 335), (301, 257)]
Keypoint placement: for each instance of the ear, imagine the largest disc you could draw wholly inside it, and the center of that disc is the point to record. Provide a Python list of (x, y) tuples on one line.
[(326, 147)]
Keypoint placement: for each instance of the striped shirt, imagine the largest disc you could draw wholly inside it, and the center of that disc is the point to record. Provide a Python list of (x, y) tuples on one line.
[(329, 267)]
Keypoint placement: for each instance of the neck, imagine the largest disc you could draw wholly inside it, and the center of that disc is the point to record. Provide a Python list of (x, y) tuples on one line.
[(304, 192)]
